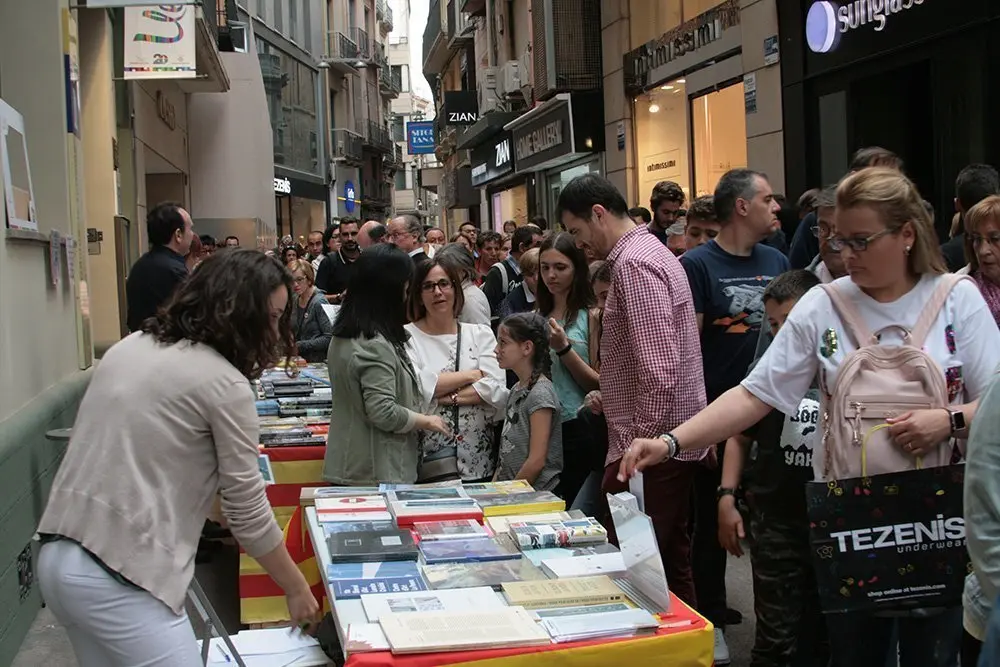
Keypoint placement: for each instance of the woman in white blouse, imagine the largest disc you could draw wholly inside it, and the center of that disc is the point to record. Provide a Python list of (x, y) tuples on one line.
[(886, 238), (468, 393)]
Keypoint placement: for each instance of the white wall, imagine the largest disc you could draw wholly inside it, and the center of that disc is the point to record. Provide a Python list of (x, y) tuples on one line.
[(38, 322), (231, 153)]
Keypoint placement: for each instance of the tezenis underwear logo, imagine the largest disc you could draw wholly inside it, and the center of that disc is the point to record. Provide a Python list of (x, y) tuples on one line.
[(827, 20), (905, 537)]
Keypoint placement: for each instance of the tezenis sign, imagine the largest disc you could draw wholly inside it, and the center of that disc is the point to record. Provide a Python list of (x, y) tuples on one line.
[(827, 20)]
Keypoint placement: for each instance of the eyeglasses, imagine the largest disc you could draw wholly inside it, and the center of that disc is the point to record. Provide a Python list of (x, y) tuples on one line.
[(993, 238), (821, 231), (299, 279), (443, 285), (838, 243)]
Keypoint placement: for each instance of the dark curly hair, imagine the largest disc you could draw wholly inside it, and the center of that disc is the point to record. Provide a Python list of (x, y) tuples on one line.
[(226, 305), (532, 327)]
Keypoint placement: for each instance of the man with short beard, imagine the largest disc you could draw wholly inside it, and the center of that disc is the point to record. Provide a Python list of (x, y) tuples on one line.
[(336, 268)]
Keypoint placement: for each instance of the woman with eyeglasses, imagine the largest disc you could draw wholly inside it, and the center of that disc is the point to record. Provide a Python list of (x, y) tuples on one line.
[(310, 324), (459, 376), (885, 237), (982, 250), (377, 405)]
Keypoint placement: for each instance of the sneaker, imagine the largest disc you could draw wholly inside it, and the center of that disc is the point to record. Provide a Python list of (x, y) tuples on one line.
[(721, 649)]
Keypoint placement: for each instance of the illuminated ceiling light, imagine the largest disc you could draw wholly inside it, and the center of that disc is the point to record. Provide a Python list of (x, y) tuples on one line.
[(589, 143), (654, 107), (681, 81), (667, 87)]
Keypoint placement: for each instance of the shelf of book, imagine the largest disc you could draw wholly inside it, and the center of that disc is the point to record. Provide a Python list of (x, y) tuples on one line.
[(685, 639)]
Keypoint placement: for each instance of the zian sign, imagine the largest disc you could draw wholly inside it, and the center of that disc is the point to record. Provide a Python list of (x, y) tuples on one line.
[(461, 107), (492, 160)]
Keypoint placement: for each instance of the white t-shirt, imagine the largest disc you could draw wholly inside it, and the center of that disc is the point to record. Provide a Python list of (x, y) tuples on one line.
[(477, 307), (964, 341)]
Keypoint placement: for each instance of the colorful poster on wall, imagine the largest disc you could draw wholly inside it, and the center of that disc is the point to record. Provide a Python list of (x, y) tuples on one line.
[(160, 42)]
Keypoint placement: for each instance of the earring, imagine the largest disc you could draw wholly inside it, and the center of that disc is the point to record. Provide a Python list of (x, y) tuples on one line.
[(907, 251)]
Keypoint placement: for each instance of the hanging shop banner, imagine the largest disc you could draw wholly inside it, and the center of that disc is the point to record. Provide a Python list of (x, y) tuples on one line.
[(889, 541), (160, 42), (420, 137)]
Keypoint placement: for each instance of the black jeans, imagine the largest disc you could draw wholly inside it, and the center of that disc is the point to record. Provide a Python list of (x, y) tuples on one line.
[(578, 457), (708, 558), (860, 639)]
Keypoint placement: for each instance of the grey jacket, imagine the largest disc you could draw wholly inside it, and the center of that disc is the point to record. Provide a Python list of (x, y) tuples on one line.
[(982, 511), (312, 328), (376, 400)]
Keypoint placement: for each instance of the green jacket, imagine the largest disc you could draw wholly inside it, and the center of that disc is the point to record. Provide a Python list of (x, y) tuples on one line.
[(375, 404)]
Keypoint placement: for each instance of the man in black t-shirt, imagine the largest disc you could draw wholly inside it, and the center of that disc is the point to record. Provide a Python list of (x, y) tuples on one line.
[(336, 268), (154, 277)]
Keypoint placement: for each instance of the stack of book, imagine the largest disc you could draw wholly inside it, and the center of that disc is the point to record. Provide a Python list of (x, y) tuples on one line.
[(434, 574)]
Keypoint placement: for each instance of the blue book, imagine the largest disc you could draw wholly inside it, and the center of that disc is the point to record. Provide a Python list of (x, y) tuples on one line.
[(352, 580), (460, 551)]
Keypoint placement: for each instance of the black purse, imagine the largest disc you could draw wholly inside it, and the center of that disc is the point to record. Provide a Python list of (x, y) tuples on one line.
[(442, 465)]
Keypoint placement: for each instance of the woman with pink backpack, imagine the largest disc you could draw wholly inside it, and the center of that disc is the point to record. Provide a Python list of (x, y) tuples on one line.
[(902, 351)]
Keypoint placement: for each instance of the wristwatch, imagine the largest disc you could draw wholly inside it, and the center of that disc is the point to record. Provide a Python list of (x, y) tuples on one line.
[(722, 491), (957, 418)]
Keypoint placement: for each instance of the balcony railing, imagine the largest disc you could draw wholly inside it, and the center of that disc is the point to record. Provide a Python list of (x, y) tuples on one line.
[(380, 57), (390, 82), (379, 137), (341, 48), (432, 36), (360, 37), (387, 20), (460, 27), (379, 10), (215, 16), (394, 160), (347, 145), (361, 129)]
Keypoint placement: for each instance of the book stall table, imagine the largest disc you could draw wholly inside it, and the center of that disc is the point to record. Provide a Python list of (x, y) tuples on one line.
[(290, 468), (684, 639)]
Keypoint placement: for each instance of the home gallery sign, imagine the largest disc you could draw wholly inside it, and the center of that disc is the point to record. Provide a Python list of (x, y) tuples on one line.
[(827, 21)]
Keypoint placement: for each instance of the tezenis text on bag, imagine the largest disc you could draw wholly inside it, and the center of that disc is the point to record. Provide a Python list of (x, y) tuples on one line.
[(905, 537)]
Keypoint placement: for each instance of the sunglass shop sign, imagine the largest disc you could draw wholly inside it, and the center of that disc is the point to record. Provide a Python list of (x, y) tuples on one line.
[(827, 22)]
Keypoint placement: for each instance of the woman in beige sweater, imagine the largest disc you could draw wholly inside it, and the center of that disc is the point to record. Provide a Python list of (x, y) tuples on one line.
[(167, 422)]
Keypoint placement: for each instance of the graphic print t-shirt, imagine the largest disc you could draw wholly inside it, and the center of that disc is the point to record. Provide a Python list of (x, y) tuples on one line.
[(728, 291), (775, 479)]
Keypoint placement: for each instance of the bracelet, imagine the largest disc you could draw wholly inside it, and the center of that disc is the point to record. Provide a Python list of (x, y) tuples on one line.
[(673, 445), (563, 352)]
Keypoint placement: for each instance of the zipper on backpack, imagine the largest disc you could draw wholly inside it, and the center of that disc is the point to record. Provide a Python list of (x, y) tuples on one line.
[(856, 424)]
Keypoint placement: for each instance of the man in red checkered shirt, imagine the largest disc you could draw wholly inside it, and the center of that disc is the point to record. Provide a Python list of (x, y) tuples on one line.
[(651, 370)]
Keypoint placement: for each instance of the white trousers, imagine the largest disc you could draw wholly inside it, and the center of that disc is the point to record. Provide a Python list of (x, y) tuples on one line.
[(108, 623)]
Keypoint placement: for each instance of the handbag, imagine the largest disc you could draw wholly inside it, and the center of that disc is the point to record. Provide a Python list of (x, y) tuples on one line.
[(893, 541), (442, 465)]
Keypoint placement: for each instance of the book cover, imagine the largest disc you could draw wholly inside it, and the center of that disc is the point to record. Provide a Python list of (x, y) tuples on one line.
[(460, 551), (354, 517), (436, 631), (415, 497), (538, 556), (488, 573), (370, 546), (562, 592), (545, 535), (408, 512), (612, 565), (495, 488), (520, 503), (350, 505), (501, 524), (352, 580), (459, 599), (459, 529), (334, 527), (333, 491), (365, 638), (385, 487)]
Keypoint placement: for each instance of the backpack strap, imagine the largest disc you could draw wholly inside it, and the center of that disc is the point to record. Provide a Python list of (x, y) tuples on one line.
[(502, 268), (933, 308), (848, 312)]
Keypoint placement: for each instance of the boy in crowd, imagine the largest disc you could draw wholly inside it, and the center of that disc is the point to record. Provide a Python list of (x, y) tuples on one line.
[(790, 626)]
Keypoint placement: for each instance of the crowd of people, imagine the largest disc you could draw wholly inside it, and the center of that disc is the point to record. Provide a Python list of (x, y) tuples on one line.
[(698, 346)]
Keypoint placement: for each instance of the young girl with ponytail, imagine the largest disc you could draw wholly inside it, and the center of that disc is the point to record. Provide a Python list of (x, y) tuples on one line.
[(531, 444)]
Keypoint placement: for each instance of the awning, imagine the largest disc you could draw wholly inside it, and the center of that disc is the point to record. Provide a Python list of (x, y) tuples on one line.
[(485, 128)]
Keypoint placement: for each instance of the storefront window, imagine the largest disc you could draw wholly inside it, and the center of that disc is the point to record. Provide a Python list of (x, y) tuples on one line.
[(290, 86), (720, 136), (297, 216), (510, 204), (556, 181), (661, 130)]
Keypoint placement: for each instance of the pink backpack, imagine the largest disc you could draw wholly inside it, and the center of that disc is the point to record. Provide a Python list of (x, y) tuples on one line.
[(877, 382)]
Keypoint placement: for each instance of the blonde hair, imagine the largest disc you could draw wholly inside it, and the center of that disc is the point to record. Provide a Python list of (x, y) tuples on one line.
[(305, 267), (896, 201), (985, 211), (529, 261)]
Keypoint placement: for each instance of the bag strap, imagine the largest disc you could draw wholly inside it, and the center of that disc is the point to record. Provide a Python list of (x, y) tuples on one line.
[(502, 267), (929, 315), (848, 312), (458, 357)]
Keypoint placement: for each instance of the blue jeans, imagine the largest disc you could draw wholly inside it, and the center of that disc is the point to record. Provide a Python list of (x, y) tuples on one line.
[(990, 654), (860, 639), (588, 498)]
